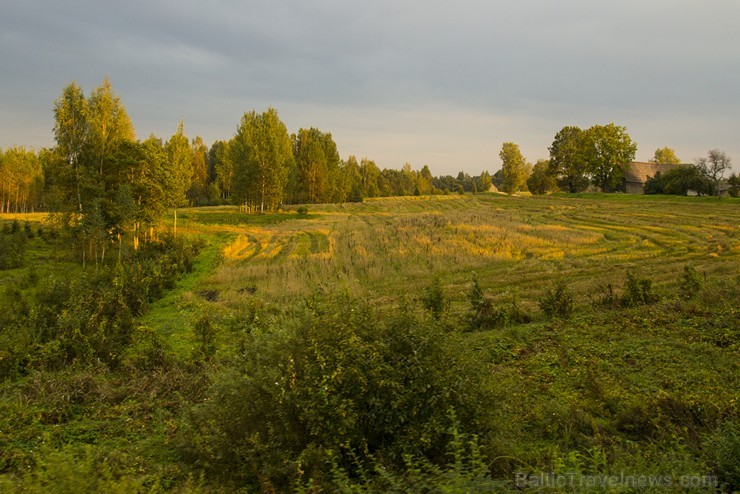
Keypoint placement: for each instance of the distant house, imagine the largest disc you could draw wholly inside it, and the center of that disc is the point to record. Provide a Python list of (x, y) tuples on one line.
[(637, 173)]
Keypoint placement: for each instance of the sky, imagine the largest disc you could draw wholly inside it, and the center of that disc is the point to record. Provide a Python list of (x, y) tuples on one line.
[(437, 83)]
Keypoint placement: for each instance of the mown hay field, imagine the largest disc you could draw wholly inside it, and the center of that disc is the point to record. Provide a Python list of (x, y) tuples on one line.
[(517, 246)]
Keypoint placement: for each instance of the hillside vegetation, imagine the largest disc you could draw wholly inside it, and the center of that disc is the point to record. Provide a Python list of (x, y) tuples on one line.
[(450, 343)]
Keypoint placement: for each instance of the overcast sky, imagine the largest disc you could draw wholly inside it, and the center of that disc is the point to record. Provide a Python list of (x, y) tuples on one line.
[(425, 82)]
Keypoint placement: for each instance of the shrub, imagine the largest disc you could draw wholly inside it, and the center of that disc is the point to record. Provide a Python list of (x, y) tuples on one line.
[(205, 338), (434, 300), (302, 211), (482, 314), (12, 250), (88, 317), (339, 382), (690, 282), (558, 301), (638, 291), (725, 451)]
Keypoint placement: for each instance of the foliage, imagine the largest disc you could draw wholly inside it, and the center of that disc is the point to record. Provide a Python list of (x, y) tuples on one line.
[(665, 155), (609, 149), (317, 167), (597, 154), (542, 181), (569, 159), (87, 318), (734, 185), (262, 155), (650, 388), (514, 168), (691, 282), (638, 291), (467, 472), (680, 181), (724, 449), (12, 249), (338, 383), (483, 315), (714, 167), (558, 301), (434, 299), (21, 180)]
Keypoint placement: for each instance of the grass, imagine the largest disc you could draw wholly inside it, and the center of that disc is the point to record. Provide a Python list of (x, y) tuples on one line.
[(388, 248), (638, 390)]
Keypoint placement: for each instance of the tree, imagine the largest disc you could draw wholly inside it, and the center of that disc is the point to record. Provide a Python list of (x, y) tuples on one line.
[(71, 134), (541, 181), (609, 149), (108, 124), (425, 179), (21, 180), (680, 181), (350, 181), (220, 160), (484, 181), (666, 156), (369, 175), (262, 154), (180, 157), (568, 159), (734, 183), (89, 133), (180, 165), (514, 168), (317, 166), (714, 167), (198, 190)]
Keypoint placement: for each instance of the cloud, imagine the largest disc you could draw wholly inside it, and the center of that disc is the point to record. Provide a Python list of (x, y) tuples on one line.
[(427, 82)]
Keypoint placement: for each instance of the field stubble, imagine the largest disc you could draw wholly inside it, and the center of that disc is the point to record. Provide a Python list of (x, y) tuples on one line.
[(391, 248)]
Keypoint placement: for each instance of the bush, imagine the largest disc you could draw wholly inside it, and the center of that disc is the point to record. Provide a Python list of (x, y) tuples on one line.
[(12, 250), (725, 451), (690, 282), (338, 383), (88, 317), (558, 301), (302, 211), (434, 299), (680, 181), (483, 314), (638, 291)]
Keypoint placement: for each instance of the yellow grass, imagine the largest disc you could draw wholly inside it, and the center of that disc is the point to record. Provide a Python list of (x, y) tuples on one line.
[(390, 248)]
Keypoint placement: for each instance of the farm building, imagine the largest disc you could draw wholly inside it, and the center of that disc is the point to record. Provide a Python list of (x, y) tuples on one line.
[(637, 173)]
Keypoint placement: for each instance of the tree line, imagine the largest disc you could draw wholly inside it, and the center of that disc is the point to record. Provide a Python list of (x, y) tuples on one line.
[(598, 157), (103, 185)]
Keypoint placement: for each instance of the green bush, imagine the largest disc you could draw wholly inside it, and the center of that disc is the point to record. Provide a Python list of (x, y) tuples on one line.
[(483, 314), (638, 291), (558, 301), (690, 282), (338, 383), (434, 300), (468, 472), (724, 450), (12, 250), (88, 317), (302, 211)]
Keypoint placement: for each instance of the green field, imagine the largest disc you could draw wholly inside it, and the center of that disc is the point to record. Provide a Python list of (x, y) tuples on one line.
[(331, 307)]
